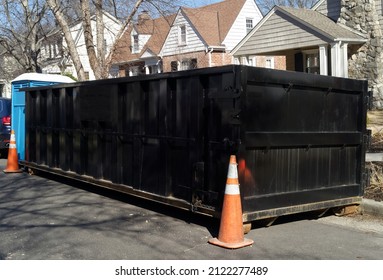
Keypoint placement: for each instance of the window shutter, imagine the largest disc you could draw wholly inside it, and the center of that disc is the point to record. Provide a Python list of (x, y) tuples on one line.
[(299, 62)]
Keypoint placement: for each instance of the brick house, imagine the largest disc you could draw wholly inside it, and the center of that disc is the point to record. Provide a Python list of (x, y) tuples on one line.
[(191, 38), (138, 49)]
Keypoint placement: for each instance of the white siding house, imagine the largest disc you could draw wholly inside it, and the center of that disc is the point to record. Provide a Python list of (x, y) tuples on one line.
[(204, 37), (182, 38), (248, 17), (54, 54)]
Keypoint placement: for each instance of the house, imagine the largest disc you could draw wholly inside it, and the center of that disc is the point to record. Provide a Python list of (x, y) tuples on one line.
[(191, 38), (138, 49), (334, 37), (9, 69), (54, 56)]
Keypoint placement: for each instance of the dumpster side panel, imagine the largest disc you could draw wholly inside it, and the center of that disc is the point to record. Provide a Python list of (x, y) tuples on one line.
[(303, 139), (140, 135)]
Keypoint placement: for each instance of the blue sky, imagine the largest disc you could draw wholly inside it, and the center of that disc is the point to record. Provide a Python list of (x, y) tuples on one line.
[(198, 3)]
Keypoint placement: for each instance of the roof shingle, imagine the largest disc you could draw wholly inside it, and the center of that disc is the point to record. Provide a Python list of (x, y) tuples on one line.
[(214, 21), (322, 23), (158, 29)]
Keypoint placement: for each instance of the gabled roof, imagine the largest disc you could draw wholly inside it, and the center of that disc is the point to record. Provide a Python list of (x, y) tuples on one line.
[(158, 30), (219, 16), (323, 25), (210, 33), (312, 20)]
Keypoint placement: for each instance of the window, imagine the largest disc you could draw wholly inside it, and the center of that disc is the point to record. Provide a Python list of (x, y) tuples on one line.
[(136, 44), (252, 61), (113, 72), (185, 64), (269, 63), (134, 71), (189, 64), (249, 24), (182, 35), (174, 66), (312, 63), (152, 69), (54, 51)]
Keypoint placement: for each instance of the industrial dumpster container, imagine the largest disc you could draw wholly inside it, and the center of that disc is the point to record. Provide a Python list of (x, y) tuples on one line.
[(18, 101), (299, 138)]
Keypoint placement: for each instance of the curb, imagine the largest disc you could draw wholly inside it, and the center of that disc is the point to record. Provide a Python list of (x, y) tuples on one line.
[(372, 207)]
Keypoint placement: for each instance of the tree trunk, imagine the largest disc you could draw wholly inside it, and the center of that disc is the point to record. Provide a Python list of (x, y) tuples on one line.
[(101, 46), (68, 38), (88, 36), (125, 25)]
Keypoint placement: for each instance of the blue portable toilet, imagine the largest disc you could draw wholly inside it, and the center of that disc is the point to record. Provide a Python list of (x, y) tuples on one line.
[(18, 102)]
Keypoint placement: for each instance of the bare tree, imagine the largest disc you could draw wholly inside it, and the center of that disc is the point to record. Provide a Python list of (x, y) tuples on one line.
[(267, 5), (22, 29), (94, 59), (63, 23), (99, 60)]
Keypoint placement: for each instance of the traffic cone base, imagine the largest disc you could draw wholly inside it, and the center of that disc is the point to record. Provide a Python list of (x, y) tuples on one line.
[(231, 233), (13, 161), (244, 243), (12, 171)]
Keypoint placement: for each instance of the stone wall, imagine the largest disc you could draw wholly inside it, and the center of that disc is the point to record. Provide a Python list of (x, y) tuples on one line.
[(366, 60)]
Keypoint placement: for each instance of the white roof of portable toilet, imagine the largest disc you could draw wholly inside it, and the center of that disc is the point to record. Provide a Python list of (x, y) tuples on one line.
[(43, 78)]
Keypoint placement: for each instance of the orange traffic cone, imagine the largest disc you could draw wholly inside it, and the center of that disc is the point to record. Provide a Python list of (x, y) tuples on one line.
[(231, 233), (13, 161)]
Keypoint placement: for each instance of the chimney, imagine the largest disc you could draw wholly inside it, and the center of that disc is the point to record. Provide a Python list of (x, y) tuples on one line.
[(143, 16)]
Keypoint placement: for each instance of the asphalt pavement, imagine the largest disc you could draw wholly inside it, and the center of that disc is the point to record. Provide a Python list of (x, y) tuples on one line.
[(45, 218)]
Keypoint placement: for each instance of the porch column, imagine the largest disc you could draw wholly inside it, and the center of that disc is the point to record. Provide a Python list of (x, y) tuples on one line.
[(344, 51), (336, 60), (323, 64)]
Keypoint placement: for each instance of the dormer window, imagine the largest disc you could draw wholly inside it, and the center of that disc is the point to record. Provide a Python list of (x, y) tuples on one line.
[(136, 44), (249, 24), (182, 35)]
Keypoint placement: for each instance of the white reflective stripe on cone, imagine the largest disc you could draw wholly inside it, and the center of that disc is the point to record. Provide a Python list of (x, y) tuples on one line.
[(232, 173), (232, 189)]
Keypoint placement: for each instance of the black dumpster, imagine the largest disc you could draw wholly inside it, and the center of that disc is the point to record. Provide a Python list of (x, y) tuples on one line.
[(300, 139)]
